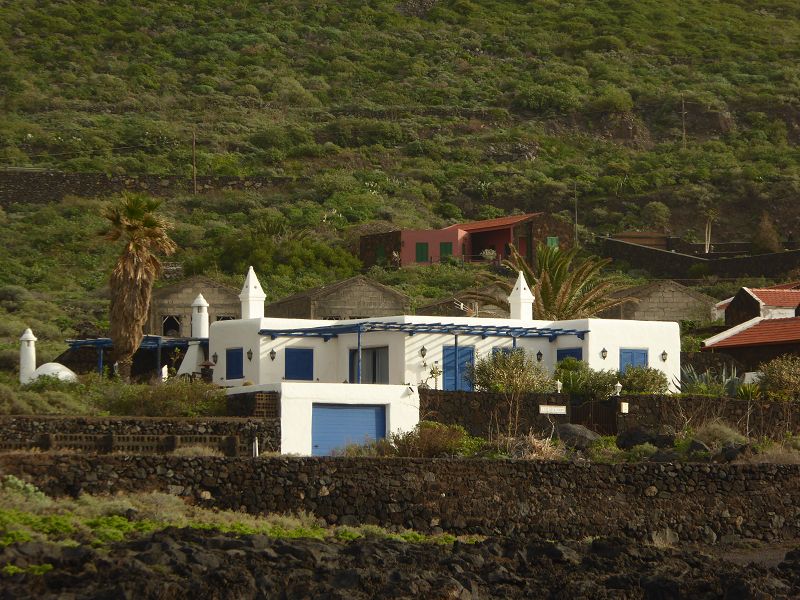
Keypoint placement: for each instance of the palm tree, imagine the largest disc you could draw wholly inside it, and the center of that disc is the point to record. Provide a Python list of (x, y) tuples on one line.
[(565, 288), (145, 234)]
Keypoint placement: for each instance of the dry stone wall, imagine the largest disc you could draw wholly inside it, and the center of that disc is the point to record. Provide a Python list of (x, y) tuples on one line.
[(138, 434), (705, 502)]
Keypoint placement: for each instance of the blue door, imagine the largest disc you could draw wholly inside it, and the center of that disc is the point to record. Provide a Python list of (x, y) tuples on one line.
[(299, 364), (632, 358), (562, 353), (337, 425), (234, 363), (466, 356)]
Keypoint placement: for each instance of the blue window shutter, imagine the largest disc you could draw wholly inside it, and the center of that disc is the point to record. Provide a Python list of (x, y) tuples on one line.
[(562, 353), (234, 363), (299, 364), (632, 358)]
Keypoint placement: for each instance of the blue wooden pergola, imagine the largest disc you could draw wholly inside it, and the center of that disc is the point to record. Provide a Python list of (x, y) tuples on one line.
[(149, 342), (327, 332)]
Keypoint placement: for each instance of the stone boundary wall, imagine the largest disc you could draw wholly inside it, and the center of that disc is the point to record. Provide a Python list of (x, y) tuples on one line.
[(706, 502), (485, 414), (39, 187), (665, 263), (755, 418), (138, 434)]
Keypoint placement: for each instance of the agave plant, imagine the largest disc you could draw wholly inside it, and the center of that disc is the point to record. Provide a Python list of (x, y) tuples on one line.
[(711, 382)]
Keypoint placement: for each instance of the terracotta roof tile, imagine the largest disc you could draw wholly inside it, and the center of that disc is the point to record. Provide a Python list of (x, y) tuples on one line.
[(766, 332), (777, 297), (492, 223)]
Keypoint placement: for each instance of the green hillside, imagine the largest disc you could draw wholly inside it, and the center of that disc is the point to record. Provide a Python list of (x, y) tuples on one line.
[(379, 114), (403, 109)]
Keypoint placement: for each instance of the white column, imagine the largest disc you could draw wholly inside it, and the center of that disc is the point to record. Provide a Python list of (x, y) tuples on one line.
[(200, 317), (27, 356)]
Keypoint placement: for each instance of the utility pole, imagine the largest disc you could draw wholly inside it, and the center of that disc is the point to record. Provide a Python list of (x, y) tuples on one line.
[(194, 160), (575, 193), (683, 120)]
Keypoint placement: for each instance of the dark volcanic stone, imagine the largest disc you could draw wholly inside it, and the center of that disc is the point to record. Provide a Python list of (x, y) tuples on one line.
[(576, 436)]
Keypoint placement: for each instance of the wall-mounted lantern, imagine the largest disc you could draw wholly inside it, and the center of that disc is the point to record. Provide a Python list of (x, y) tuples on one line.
[(423, 351), (539, 356), (604, 354), (214, 358), (250, 354), (272, 354), (664, 356)]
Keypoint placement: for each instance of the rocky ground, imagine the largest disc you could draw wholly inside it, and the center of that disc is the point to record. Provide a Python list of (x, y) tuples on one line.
[(188, 563)]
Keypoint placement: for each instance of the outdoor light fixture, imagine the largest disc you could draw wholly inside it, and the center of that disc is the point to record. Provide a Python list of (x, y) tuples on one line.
[(250, 354), (664, 356), (539, 356), (214, 358), (617, 389), (604, 354), (272, 354), (423, 351), (559, 386)]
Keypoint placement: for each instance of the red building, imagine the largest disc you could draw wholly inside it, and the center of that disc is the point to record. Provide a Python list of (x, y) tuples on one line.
[(466, 241)]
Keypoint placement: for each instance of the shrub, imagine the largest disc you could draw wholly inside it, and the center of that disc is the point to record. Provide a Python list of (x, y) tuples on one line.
[(644, 380), (780, 377), (641, 452), (427, 440), (716, 434), (765, 238), (197, 450), (579, 379), (512, 375)]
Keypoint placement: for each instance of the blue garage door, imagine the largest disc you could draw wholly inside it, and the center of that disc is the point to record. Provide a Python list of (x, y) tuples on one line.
[(563, 353), (632, 358), (466, 356), (299, 364), (337, 425)]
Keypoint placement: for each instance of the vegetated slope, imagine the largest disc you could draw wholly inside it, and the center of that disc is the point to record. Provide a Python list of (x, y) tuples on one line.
[(451, 105)]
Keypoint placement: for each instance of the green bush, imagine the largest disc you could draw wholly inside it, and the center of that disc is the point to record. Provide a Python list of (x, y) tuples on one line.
[(581, 380), (644, 380), (780, 377), (510, 372), (427, 440)]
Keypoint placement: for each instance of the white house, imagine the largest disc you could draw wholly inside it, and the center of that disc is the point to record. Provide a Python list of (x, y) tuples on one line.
[(372, 368)]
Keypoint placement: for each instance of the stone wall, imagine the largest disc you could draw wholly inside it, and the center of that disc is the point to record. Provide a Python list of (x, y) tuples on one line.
[(486, 415), (138, 434), (759, 419), (38, 187), (708, 502), (664, 263)]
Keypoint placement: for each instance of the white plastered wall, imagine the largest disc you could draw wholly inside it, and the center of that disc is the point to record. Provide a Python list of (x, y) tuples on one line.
[(331, 358), (297, 400)]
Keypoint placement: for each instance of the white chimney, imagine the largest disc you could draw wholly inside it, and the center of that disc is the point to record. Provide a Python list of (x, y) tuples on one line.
[(252, 297), (27, 356), (199, 317), (520, 300)]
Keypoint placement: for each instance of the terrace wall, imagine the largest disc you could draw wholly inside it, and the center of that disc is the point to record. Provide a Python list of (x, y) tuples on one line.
[(700, 502)]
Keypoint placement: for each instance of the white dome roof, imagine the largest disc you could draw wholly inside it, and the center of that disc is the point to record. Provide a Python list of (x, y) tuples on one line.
[(54, 370)]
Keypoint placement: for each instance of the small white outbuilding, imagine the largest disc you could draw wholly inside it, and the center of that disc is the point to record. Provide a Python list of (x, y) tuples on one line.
[(28, 372)]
